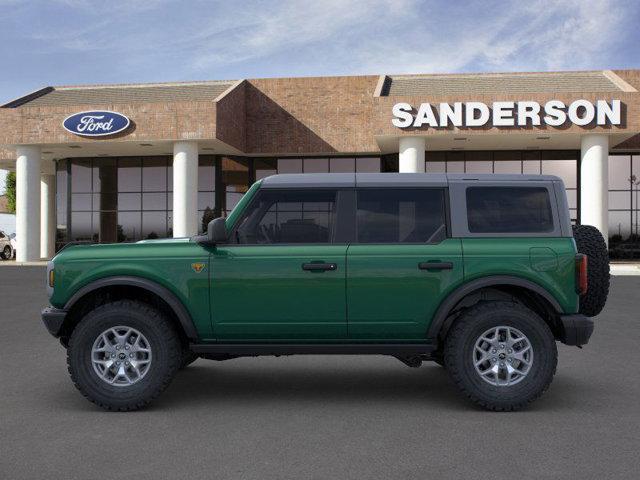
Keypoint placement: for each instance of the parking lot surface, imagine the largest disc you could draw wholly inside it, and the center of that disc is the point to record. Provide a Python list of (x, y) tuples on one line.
[(317, 417)]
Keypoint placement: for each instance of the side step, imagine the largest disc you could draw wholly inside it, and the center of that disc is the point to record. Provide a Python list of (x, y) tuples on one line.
[(257, 349)]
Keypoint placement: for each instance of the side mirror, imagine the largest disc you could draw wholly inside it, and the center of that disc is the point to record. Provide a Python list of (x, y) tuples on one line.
[(217, 231)]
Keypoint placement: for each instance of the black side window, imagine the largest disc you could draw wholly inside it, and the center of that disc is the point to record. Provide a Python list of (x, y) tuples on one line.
[(402, 215), (509, 210), (289, 216)]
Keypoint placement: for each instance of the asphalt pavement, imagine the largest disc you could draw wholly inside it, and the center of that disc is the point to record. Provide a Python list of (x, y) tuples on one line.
[(317, 417)]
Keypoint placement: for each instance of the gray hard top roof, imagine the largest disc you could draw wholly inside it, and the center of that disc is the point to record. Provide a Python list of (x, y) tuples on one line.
[(319, 180)]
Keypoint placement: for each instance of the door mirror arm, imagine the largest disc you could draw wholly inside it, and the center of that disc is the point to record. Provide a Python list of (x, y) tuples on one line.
[(216, 233)]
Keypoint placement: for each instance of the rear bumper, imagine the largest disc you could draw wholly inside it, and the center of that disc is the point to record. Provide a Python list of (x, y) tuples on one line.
[(577, 329), (53, 319)]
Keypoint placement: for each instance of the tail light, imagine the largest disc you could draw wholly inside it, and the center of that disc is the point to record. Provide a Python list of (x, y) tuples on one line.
[(582, 283)]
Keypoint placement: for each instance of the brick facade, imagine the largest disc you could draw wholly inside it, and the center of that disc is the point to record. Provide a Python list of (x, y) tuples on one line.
[(288, 116)]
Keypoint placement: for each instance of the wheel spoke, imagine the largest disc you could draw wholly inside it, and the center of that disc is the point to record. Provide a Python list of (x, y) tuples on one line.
[(511, 351), (121, 366)]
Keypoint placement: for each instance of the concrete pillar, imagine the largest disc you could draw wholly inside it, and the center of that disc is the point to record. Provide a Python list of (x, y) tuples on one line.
[(47, 215), (594, 182), (185, 189), (28, 203), (411, 154)]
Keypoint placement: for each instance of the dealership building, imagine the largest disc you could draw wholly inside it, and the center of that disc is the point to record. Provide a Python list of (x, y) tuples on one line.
[(113, 163)]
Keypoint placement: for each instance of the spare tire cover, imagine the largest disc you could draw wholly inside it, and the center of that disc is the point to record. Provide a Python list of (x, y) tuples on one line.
[(590, 242)]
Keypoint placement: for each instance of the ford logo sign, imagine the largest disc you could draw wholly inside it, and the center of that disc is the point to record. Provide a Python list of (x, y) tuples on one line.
[(96, 124)]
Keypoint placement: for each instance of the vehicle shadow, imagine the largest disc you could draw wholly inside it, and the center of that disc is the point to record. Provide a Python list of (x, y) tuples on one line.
[(206, 384)]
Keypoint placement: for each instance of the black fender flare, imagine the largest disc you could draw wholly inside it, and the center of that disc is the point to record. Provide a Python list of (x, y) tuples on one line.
[(164, 293), (465, 289)]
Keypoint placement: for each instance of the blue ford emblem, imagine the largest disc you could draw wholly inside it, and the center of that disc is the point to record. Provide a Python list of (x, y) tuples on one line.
[(96, 124)]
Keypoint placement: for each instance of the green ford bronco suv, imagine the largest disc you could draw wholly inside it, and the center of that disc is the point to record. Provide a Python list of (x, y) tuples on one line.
[(481, 274)]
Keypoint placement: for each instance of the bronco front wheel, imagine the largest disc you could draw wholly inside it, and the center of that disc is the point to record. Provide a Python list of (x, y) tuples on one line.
[(501, 355), (123, 354)]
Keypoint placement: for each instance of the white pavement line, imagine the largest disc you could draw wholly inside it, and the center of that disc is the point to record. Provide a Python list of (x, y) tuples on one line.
[(625, 269)]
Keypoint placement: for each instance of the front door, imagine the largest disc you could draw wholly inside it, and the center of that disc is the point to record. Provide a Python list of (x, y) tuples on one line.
[(283, 276), (401, 265)]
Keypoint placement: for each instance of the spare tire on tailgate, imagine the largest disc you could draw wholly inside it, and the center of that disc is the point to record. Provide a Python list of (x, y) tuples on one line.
[(590, 242)]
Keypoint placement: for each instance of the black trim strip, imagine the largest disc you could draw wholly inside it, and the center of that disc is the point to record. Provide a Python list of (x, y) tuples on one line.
[(258, 349), (462, 291), (165, 294)]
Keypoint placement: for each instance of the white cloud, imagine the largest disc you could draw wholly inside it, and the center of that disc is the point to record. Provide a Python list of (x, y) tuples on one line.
[(169, 39)]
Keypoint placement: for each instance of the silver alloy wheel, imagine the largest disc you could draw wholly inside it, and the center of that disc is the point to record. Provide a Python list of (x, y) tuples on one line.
[(503, 356), (121, 356)]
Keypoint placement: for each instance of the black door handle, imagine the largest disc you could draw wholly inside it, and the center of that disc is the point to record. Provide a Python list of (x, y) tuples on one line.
[(319, 267), (435, 265)]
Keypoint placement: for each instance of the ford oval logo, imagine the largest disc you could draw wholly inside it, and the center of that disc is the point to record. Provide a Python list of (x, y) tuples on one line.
[(96, 124)]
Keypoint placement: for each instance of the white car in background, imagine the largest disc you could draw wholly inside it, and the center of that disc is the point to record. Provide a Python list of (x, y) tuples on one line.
[(7, 248), (14, 243)]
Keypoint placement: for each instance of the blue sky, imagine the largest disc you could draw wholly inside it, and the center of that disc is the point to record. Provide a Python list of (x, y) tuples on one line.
[(69, 42)]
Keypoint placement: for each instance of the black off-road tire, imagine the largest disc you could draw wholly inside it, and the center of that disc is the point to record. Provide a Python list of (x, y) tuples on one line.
[(163, 340), (7, 254), (188, 357), (460, 344), (590, 241)]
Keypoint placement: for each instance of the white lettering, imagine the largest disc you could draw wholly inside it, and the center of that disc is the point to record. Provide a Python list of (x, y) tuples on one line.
[(503, 114), (589, 112), (453, 115), (555, 115), (470, 114), (528, 111), (402, 113), (477, 114), (88, 124), (611, 113), (425, 116)]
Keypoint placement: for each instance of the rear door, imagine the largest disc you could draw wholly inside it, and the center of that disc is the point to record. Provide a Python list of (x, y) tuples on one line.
[(402, 263), (284, 277)]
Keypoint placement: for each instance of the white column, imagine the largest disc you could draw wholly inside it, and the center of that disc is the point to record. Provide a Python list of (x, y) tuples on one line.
[(411, 154), (594, 182), (28, 203), (185, 189), (47, 215)]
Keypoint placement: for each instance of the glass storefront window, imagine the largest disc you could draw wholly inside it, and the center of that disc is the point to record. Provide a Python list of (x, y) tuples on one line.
[(265, 167), (531, 167), (435, 167), (81, 175), (316, 165), (479, 167), (289, 165), (507, 166), (154, 174), (368, 165), (342, 165), (619, 172), (565, 169), (129, 174), (455, 167)]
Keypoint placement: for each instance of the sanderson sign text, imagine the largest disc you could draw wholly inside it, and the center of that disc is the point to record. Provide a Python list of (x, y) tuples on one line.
[(507, 114)]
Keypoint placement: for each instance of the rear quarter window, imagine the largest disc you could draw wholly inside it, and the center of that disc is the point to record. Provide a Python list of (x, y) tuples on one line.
[(509, 210)]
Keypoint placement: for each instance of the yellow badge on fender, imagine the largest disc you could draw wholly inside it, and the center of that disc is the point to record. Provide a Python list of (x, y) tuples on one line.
[(198, 267)]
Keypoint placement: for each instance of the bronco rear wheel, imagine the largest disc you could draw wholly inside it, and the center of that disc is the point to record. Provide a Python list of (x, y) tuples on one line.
[(590, 242), (501, 355), (123, 354)]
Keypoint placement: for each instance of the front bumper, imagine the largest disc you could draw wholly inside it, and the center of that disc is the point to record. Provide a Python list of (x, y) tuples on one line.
[(577, 329), (53, 319)]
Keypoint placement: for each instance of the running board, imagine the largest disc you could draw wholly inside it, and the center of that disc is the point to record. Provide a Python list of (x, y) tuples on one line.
[(257, 349)]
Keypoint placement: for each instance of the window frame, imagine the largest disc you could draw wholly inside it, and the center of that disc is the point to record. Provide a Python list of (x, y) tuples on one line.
[(460, 223), (340, 231), (445, 205)]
